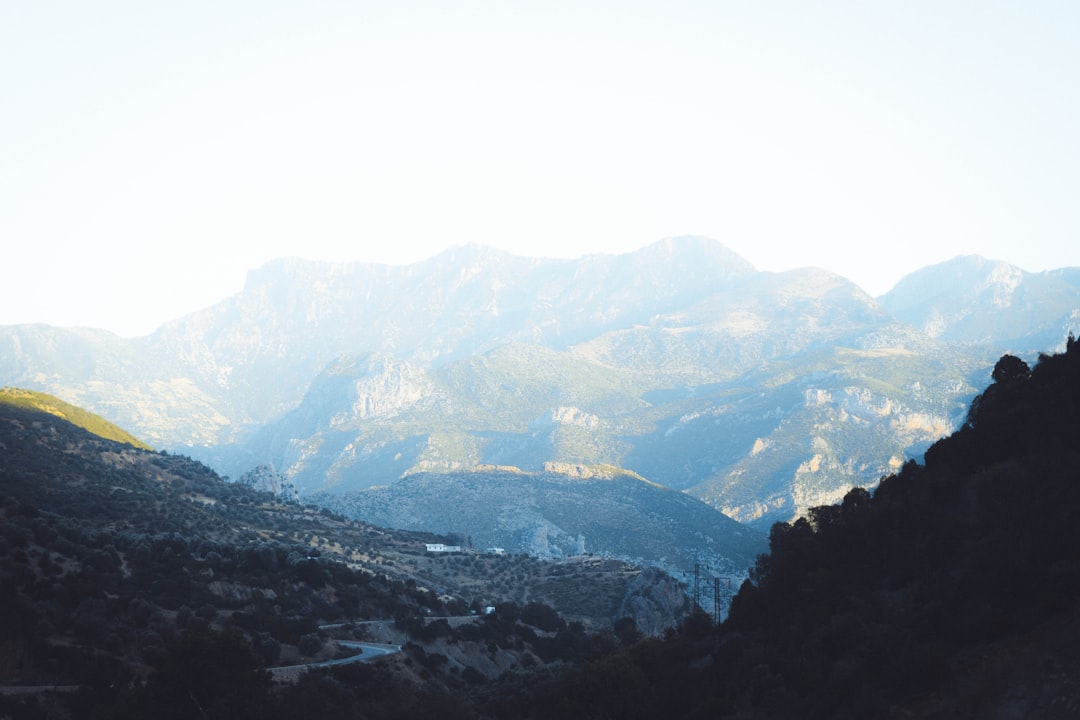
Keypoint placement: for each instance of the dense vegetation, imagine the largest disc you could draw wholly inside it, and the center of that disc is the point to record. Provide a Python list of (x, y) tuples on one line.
[(144, 585), (951, 591)]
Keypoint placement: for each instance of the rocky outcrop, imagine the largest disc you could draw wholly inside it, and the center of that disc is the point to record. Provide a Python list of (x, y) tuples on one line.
[(266, 479), (655, 601)]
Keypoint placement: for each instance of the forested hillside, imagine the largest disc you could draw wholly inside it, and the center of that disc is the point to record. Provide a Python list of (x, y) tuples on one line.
[(951, 591), (141, 584)]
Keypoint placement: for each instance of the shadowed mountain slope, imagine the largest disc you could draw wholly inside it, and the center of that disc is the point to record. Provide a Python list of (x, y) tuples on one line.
[(554, 514), (115, 559)]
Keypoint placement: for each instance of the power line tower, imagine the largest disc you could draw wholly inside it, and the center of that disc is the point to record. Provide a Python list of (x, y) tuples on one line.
[(716, 601), (697, 585), (723, 593), (718, 589)]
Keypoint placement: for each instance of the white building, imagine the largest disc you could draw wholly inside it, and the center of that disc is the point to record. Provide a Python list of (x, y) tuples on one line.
[(440, 548)]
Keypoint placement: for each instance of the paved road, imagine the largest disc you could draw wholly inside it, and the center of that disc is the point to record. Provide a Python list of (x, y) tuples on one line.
[(367, 653)]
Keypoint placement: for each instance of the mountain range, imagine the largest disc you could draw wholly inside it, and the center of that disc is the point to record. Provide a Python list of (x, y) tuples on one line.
[(140, 584), (761, 394)]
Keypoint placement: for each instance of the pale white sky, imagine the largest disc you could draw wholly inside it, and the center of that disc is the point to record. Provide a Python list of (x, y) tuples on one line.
[(151, 153)]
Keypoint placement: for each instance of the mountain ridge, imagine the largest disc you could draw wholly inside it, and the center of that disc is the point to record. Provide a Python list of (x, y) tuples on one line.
[(659, 361), (969, 298), (33, 400), (558, 512)]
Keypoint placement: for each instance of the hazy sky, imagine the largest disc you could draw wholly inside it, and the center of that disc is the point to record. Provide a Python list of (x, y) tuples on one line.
[(153, 152)]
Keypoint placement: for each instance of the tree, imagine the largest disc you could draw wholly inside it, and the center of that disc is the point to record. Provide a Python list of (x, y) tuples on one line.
[(626, 631), (1009, 369), (541, 616), (309, 644)]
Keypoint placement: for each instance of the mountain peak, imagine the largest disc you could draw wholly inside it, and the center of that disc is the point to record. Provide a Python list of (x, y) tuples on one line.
[(970, 298), (962, 274), (697, 248)]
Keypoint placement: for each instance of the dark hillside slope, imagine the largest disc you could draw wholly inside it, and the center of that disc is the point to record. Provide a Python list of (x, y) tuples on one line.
[(108, 552), (127, 576), (601, 511), (953, 591)]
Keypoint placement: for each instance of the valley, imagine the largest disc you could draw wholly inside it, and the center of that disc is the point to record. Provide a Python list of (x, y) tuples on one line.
[(499, 492), (140, 583)]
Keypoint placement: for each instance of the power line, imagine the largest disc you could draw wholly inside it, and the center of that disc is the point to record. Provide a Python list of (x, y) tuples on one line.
[(719, 590)]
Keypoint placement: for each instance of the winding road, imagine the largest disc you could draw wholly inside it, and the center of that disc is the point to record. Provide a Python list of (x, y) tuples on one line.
[(367, 653)]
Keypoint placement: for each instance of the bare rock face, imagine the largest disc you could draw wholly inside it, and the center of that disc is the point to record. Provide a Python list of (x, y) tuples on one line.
[(655, 601), (567, 416), (388, 388), (267, 479)]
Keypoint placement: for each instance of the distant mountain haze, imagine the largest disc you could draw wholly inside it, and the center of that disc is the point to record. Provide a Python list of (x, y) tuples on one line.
[(973, 300), (762, 394)]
